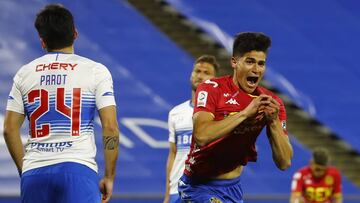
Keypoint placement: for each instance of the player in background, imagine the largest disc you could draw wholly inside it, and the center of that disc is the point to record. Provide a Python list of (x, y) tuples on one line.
[(59, 94), (180, 127), (318, 182), (229, 114)]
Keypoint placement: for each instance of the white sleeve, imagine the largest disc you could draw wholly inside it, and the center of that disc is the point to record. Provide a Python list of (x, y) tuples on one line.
[(15, 100), (171, 128), (104, 91)]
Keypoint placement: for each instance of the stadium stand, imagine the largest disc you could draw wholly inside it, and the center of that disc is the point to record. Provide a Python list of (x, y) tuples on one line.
[(150, 76)]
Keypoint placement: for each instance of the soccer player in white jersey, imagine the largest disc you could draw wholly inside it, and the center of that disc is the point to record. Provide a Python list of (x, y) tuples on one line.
[(181, 126), (59, 94)]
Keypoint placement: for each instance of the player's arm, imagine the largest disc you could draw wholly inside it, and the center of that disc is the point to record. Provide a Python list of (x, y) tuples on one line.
[(110, 133), (295, 197), (280, 144), (206, 129), (169, 165), (12, 125)]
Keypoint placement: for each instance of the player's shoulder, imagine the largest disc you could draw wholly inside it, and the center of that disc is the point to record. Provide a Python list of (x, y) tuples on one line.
[(88, 61), (217, 83), (333, 170), (186, 105), (29, 66), (302, 171)]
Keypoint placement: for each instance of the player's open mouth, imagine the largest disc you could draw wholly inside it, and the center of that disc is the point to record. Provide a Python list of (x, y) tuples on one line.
[(252, 80)]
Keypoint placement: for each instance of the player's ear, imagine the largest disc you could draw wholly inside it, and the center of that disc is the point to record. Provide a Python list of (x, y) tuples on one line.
[(43, 45), (75, 34), (233, 62)]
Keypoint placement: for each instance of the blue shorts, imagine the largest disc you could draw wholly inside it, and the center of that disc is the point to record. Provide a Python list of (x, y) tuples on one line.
[(64, 182), (174, 198), (214, 191)]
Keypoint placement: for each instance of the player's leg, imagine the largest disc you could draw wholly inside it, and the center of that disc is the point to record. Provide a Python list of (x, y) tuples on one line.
[(65, 182), (35, 187), (78, 184)]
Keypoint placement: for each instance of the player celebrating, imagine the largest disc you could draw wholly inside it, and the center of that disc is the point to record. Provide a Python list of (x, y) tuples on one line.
[(229, 114), (318, 182), (180, 127), (59, 92)]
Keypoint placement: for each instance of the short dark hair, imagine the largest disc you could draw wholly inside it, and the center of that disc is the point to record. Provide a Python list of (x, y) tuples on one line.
[(321, 156), (250, 41), (55, 25), (208, 59)]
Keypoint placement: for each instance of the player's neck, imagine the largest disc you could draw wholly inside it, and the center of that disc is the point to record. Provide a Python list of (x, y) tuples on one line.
[(66, 50)]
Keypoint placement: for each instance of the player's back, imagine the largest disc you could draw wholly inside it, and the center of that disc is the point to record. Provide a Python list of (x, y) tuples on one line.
[(59, 93)]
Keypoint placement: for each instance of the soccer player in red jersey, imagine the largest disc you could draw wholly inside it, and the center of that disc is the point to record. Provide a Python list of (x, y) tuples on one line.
[(318, 182), (229, 114)]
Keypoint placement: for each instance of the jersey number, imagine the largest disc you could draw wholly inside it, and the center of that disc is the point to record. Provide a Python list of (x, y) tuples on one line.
[(73, 112)]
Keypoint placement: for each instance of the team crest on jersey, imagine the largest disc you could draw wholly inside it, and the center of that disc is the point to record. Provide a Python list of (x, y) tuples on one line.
[(215, 200), (329, 180), (201, 99)]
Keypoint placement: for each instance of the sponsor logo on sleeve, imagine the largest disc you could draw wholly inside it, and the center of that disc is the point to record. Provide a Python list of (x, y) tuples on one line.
[(10, 97), (211, 82), (201, 99)]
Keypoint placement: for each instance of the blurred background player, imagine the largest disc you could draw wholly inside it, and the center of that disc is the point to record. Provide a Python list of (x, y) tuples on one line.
[(318, 182), (229, 114), (181, 126), (59, 92)]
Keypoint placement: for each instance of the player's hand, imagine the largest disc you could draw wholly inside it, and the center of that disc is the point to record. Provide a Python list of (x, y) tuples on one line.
[(256, 106), (270, 110), (106, 189)]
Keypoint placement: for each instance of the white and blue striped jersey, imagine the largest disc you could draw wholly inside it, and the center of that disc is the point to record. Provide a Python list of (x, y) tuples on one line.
[(59, 93), (180, 132)]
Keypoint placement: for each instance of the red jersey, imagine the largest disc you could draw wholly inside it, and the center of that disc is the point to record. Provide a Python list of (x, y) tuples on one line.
[(222, 98), (317, 190)]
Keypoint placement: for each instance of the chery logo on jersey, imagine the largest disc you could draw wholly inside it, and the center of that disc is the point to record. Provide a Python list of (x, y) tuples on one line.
[(202, 97), (55, 66)]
